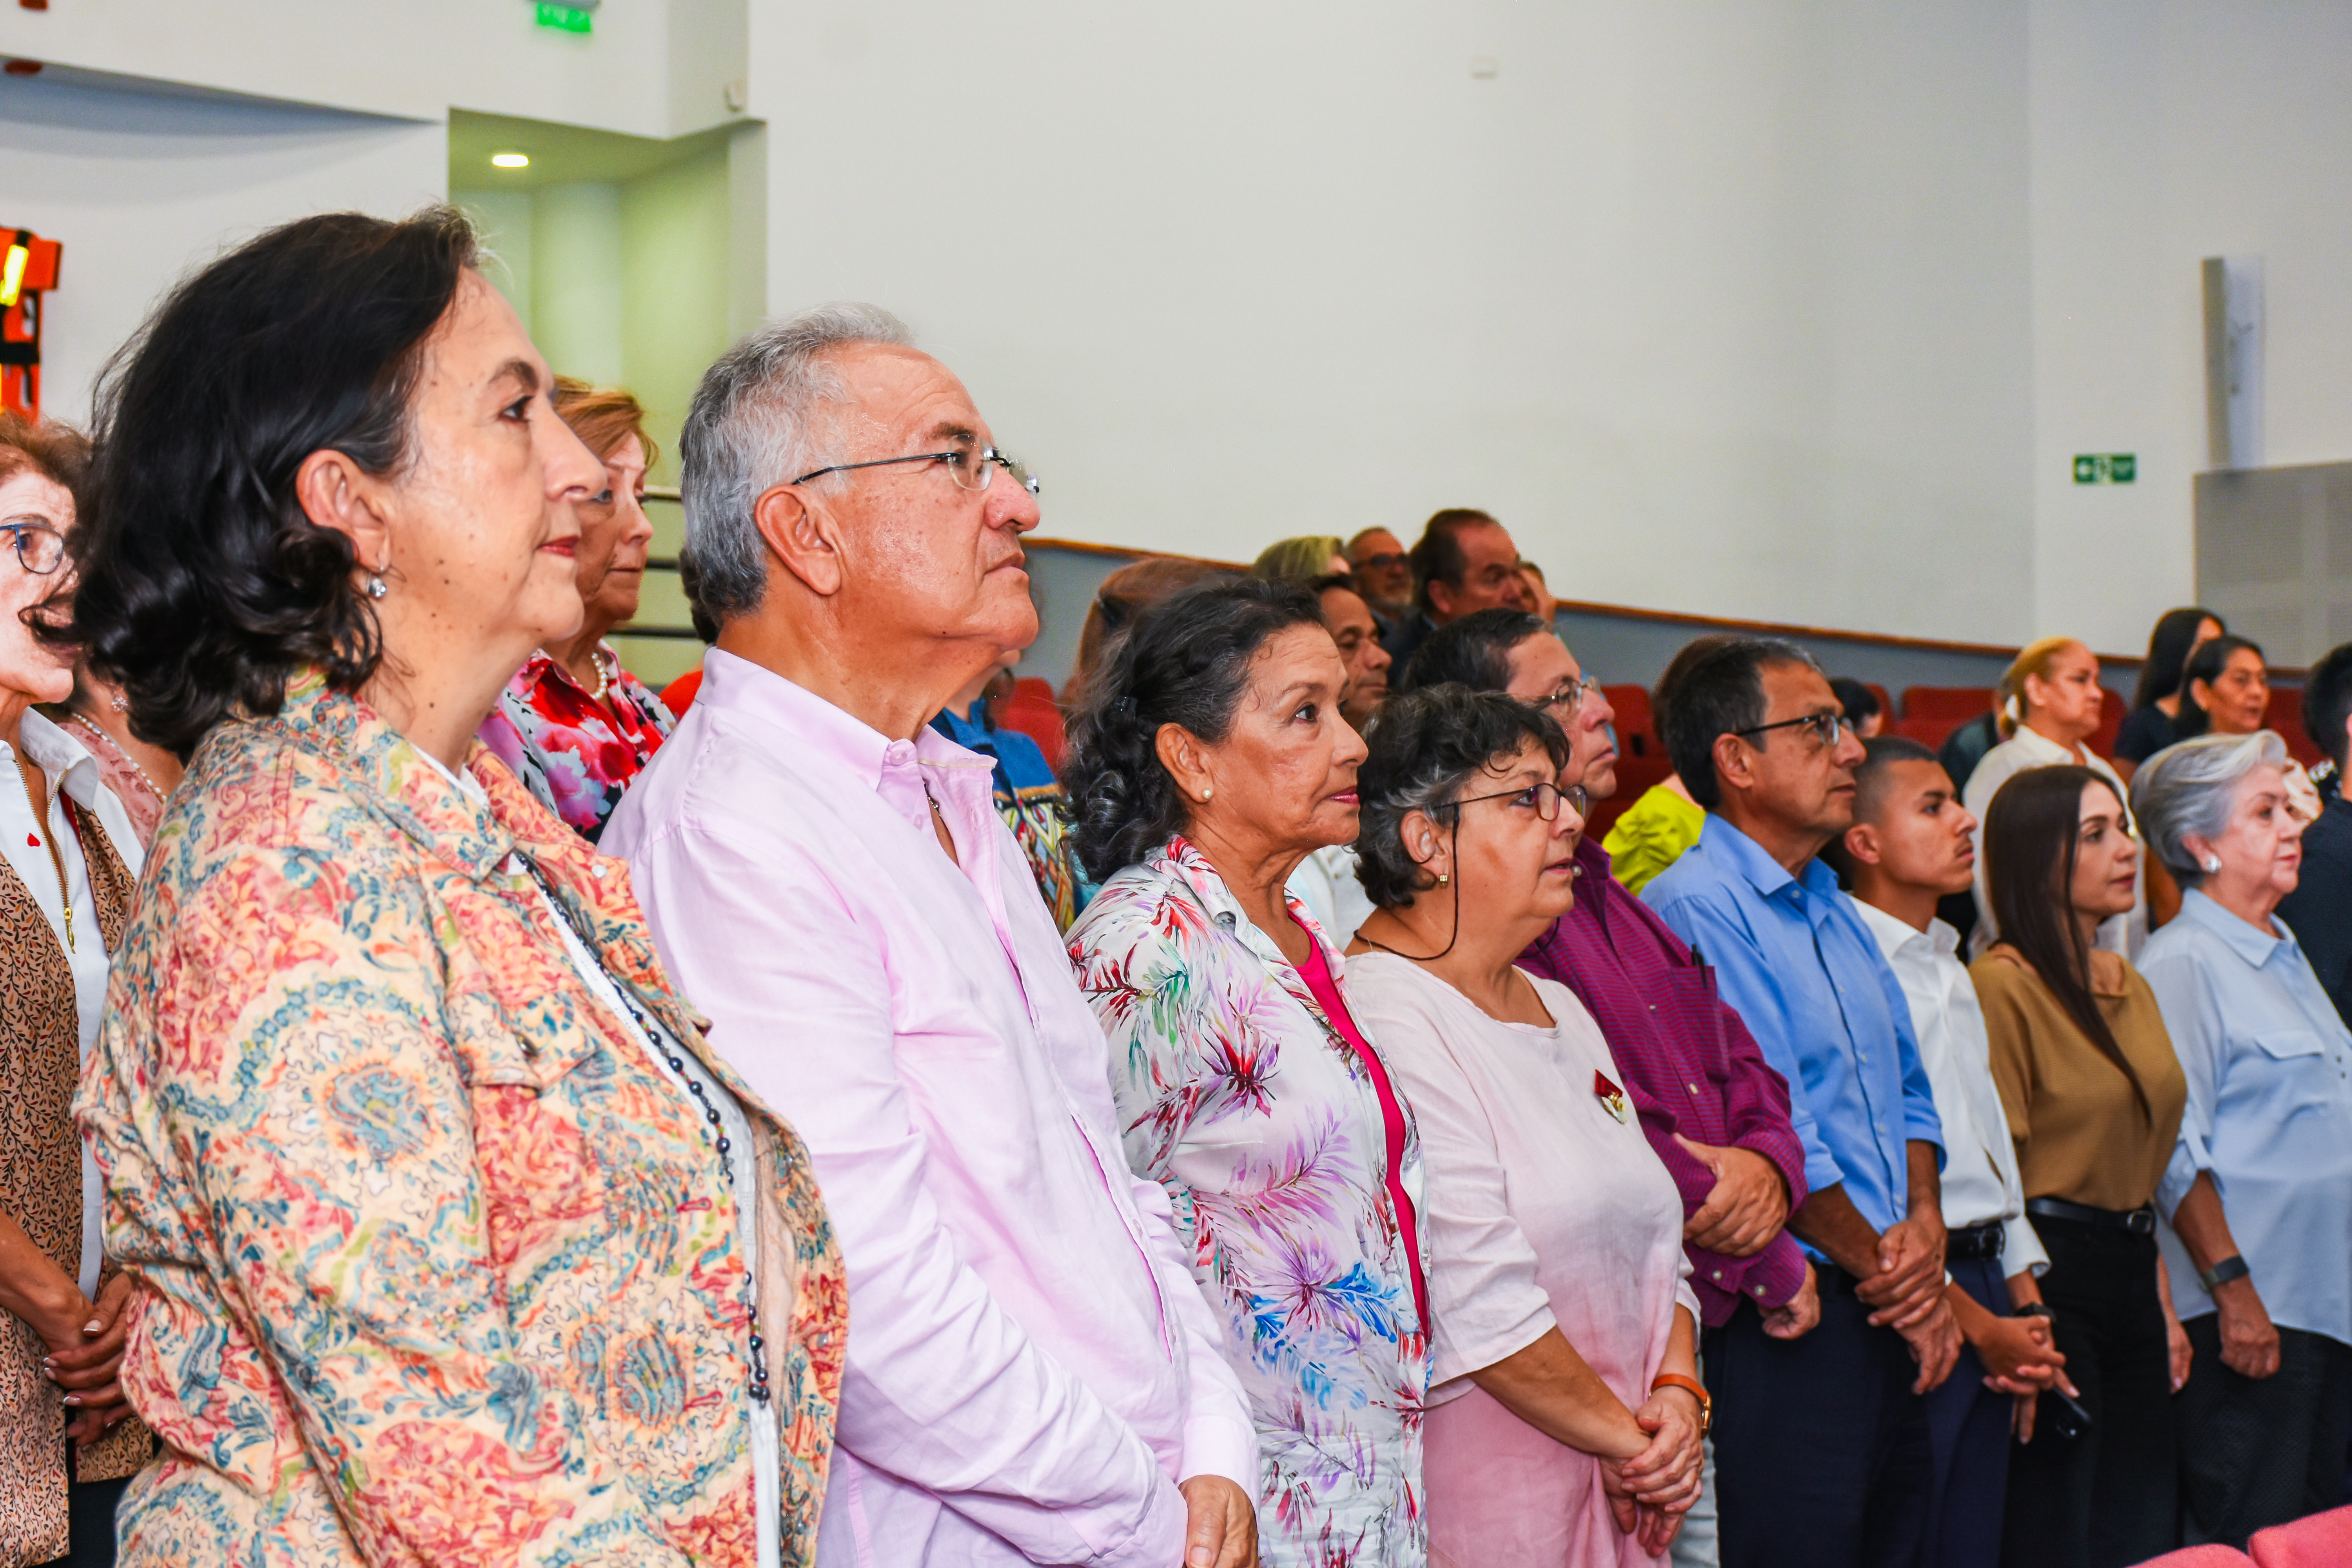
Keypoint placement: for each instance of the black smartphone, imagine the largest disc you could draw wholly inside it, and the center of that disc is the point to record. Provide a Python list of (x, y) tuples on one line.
[(2063, 1414)]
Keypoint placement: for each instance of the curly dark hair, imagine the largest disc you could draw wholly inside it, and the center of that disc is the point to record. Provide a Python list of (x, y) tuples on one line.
[(1185, 662), (202, 584), (1426, 746)]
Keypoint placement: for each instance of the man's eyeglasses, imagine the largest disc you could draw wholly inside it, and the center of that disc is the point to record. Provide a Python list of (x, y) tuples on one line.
[(970, 470), (1570, 697), (1545, 799), (1827, 727), (40, 549), (1384, 560)]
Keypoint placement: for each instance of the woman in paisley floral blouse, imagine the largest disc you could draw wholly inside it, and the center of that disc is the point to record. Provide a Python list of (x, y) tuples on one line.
[(1210, 761), (574, 725), (455, 1244)]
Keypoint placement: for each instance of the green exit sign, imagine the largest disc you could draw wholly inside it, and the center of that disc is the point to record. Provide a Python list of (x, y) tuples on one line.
[(2106, 467), (566, 18)]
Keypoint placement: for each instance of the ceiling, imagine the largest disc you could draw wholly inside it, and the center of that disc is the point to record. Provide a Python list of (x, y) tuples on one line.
[(560, 155)]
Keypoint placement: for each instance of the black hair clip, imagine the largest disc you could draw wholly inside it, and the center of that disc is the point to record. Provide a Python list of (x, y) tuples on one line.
[(1123, 707)]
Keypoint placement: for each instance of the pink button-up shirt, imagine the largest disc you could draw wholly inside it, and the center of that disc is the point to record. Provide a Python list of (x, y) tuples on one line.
[(1030, 1368)]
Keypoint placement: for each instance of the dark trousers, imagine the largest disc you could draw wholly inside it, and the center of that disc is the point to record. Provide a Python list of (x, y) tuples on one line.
[(1822, 1454), (2260, 1451), (1967, 1431), (2105, 1500), (90, 1520)]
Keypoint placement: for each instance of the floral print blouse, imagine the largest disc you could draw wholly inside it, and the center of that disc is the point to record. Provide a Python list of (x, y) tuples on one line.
[(576, 754), (1235, 1092), (437, 1266)]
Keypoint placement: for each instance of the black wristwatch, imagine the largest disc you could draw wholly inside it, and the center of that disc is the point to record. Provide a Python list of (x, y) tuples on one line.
[(2036, 1309), (2231, 1268)]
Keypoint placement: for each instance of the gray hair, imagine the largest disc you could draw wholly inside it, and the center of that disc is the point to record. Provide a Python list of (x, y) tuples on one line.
[(2192, 788), (760, 418)]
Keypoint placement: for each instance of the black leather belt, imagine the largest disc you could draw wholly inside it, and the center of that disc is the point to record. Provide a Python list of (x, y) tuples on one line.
[(2140, 1221), (1971, 1243)]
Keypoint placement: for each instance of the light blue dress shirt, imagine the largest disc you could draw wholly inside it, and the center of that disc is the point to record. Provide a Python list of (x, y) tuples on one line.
[(1804, 972), (2270, 1112)]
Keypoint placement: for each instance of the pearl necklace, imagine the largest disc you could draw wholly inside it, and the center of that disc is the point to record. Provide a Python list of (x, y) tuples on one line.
[(116, 747)]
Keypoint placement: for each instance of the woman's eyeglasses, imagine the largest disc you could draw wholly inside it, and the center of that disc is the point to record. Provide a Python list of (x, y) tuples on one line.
[(1544, 799), (40, 549)]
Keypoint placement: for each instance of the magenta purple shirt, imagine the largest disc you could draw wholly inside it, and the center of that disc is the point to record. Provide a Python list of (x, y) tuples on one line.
[(1690, 1065)]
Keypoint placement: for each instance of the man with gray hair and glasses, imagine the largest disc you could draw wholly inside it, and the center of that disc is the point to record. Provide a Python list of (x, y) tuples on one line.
[(1032, 1374)]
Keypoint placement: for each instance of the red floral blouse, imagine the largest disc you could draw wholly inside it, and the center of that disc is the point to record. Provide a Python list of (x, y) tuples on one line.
[(576, 754)]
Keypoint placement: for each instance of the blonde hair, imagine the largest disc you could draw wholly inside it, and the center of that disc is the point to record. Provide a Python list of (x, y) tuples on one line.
[(601, 416), (2035, 659), (1308, 555)]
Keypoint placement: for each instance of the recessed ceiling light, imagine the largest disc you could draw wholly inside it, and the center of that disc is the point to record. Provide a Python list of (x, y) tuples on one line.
[(511, 160)]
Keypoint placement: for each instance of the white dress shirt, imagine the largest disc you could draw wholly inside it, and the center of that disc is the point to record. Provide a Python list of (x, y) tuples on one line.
[(2032, 749), (69, 768), (1980, 1181)]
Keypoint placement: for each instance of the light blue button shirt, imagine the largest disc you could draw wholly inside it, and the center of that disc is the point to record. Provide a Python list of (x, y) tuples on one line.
[(1805, 975), (2270, 1112)]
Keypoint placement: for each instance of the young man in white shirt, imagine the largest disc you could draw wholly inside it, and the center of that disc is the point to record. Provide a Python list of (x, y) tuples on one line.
[(1911, 844)]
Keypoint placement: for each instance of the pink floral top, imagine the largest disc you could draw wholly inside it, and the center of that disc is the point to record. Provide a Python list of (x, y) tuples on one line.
[(437, 1264), (576, 754), (1237, 1093)]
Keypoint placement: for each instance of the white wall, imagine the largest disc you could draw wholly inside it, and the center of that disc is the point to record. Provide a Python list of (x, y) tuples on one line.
[(2163, 134), (1720, 309), (651, 68), (140, 188)]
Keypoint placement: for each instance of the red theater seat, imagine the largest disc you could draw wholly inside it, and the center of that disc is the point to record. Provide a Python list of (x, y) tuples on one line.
[(1634, 777), (678, 695), (2322, 1541), (1930, 732), (1032, 710), (1957, 703), (2285, 716), (1637, 727), (2200, 1557)]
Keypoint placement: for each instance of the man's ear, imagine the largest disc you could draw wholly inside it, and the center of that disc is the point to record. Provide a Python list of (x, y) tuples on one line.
[(1441, 598), (1862, 843), (802, 535), (1734, 764), (335, 492)]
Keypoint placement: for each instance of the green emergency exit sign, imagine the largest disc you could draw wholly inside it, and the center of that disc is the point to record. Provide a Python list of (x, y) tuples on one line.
[(2106, 467), (566, 18)]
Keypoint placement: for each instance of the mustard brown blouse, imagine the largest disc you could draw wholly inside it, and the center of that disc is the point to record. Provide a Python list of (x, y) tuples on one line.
[(2079, 1133)]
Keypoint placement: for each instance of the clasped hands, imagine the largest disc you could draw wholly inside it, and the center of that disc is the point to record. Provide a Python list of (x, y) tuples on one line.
[(1907, 1295), (85, 1357), (1650, 1492)]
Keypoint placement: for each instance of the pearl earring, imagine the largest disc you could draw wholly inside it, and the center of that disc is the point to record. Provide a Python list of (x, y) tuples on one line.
[(375, 587), (1206, 794), (2212, 863)]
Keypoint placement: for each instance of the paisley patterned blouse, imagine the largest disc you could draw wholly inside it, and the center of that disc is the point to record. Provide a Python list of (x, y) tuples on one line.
[(1237, 1095), (438, 1267), (576, 754)]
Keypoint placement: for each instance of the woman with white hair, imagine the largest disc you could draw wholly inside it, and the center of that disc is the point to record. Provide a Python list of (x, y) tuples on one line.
[(2264, 1284)]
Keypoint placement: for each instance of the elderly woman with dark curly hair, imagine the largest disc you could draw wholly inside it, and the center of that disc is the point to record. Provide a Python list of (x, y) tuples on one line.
[(455, 1242), (1210, 761), (1565, 1411)]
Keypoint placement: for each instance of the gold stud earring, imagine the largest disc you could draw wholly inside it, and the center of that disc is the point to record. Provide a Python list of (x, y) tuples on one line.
[(1442, 878)]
